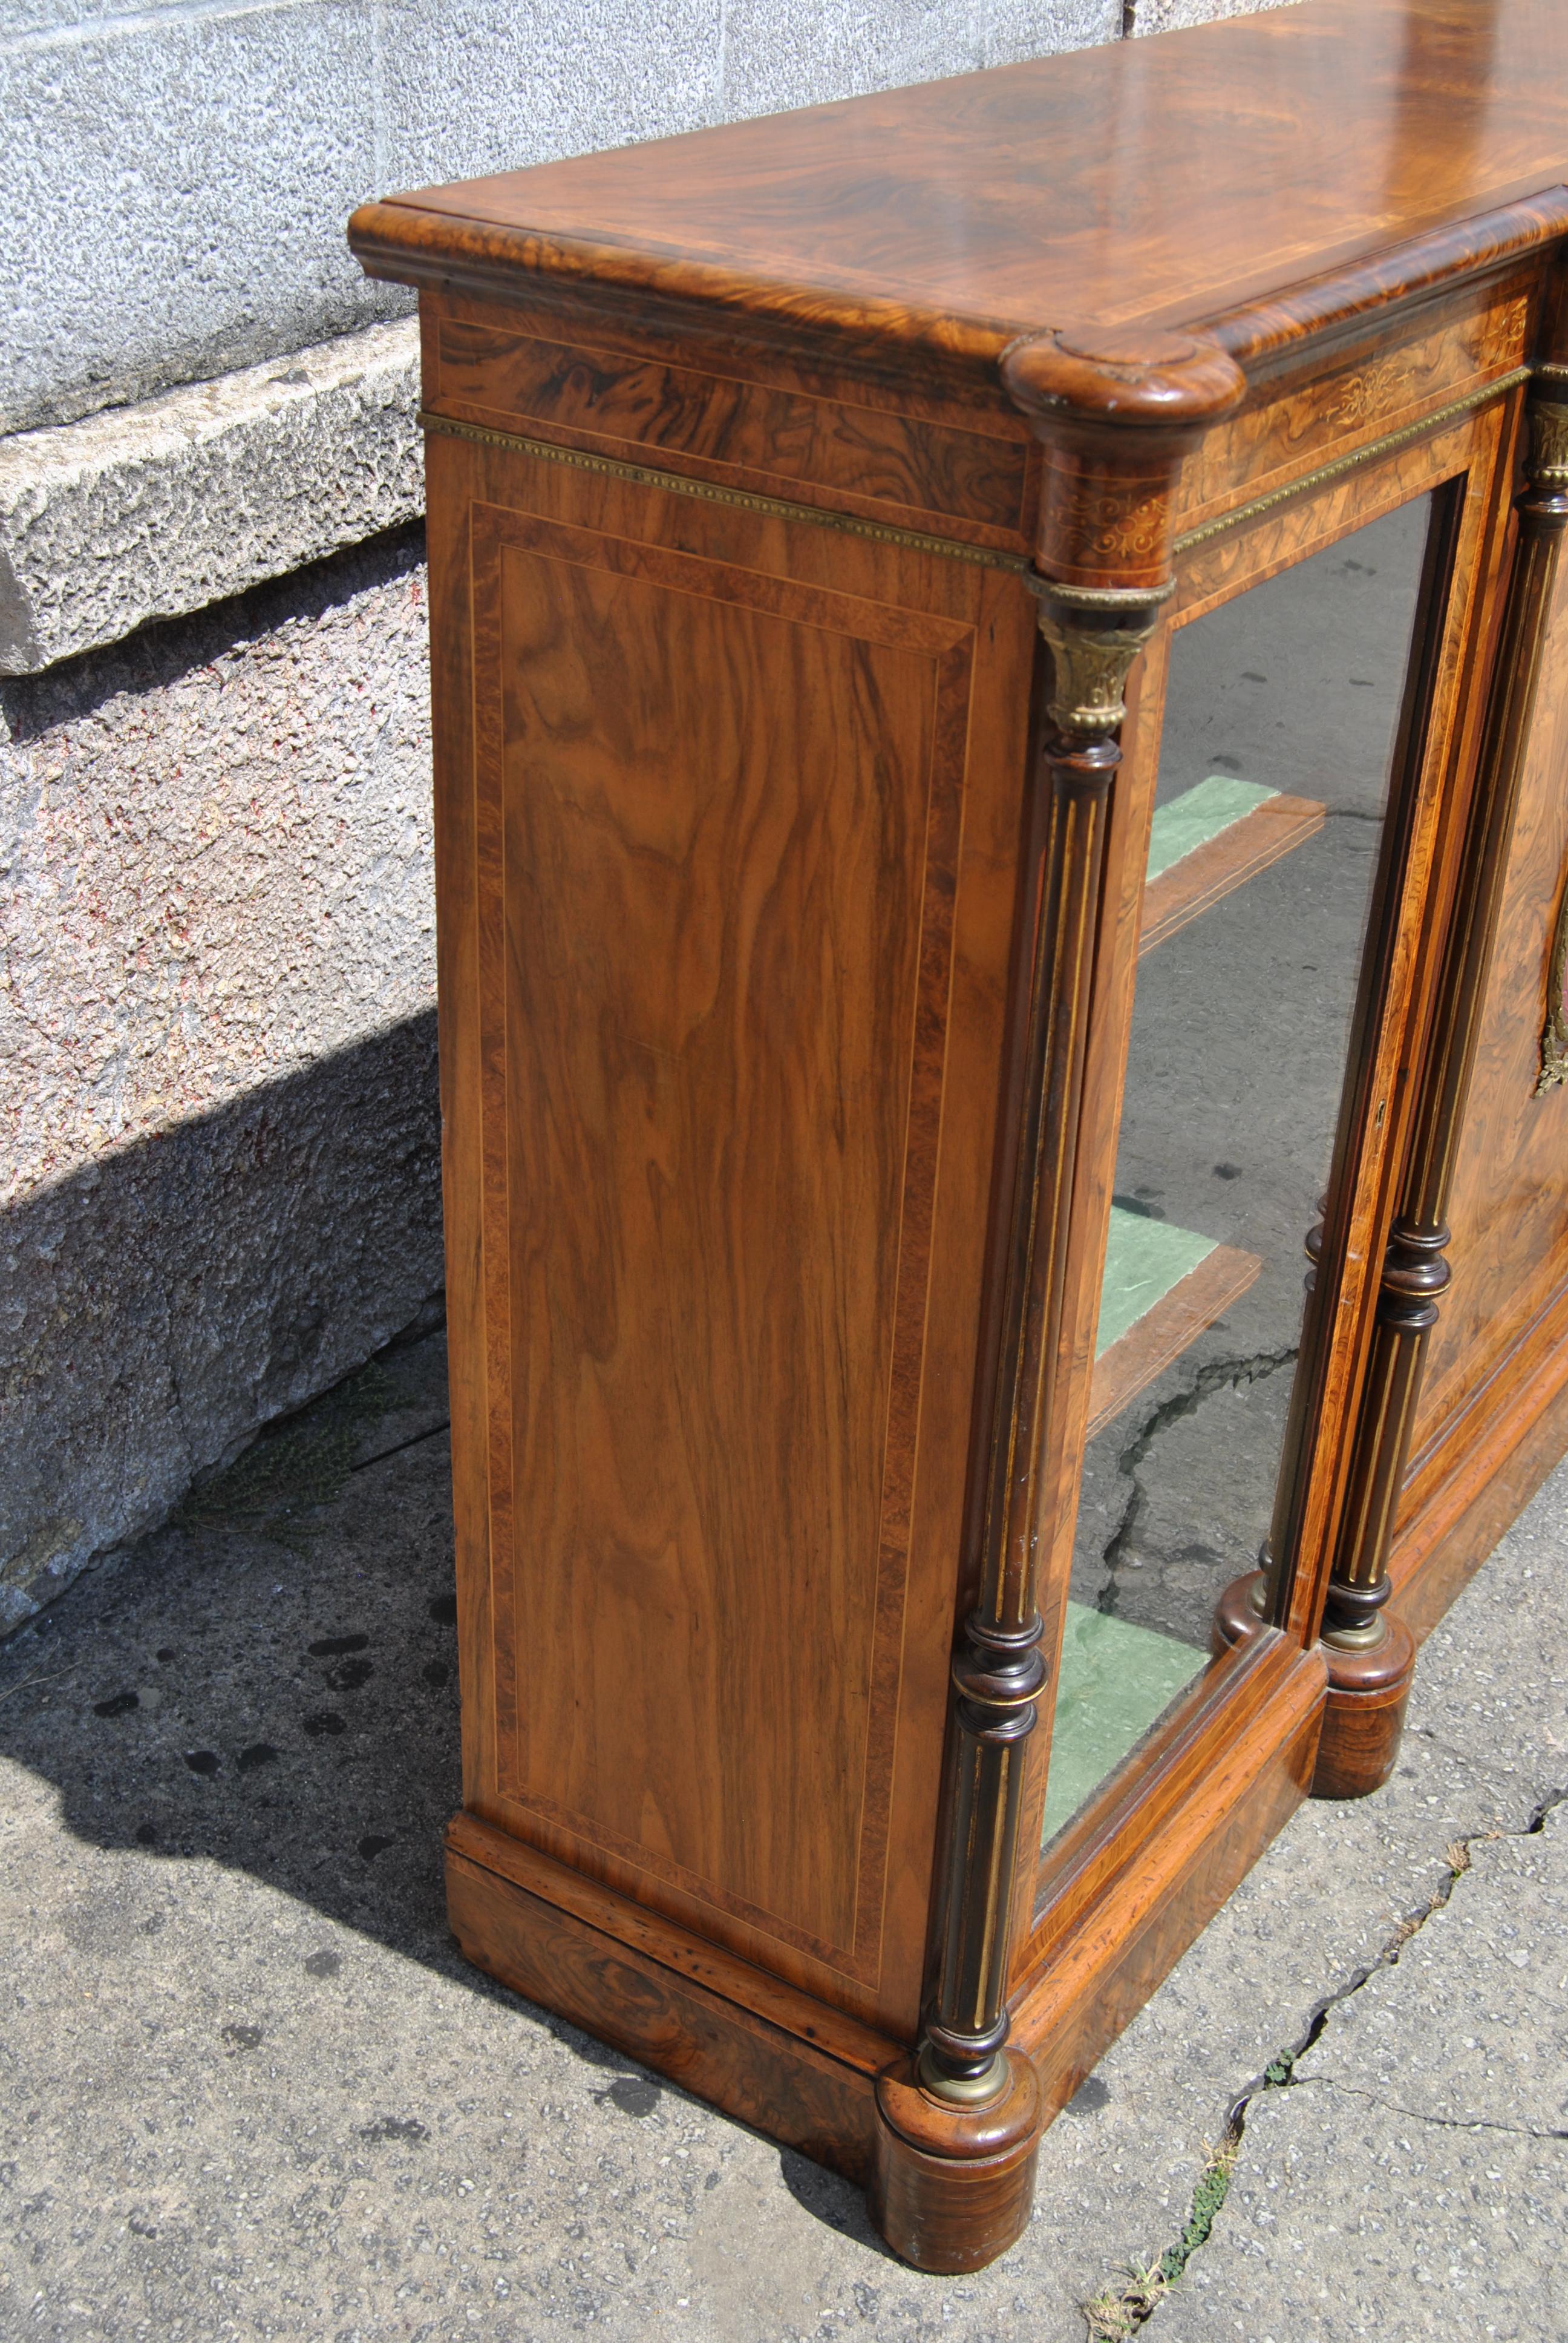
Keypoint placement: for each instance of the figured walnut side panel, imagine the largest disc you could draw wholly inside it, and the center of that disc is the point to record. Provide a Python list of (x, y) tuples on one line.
[(744, 857), (714, 961)]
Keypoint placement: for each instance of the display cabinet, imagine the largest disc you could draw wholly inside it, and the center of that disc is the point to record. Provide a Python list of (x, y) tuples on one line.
[(999, 774)]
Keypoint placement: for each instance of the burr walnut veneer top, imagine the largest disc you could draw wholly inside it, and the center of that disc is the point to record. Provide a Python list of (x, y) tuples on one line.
[(1185, 178)]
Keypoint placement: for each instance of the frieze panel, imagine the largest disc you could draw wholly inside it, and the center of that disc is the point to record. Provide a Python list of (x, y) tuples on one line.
[(1481, 339)]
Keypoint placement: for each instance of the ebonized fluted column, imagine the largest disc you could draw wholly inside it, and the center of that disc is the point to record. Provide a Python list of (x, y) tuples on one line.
[(1370, 1652), (1115, 421)]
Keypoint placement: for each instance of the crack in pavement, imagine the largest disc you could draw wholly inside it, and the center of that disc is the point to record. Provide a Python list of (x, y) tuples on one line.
[(1219, 1374), (1281, 2069), (1415, 2115), (1113, 2315)]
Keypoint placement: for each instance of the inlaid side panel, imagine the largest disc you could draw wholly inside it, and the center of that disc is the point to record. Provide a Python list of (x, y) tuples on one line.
[(1509, 1209), (724, 815)]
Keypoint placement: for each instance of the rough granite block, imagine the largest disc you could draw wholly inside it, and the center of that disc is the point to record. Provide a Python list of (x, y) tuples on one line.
[(1012, 30), (149, 511), (482, 86), (162, 1304), (1175, 15), (179, 182), (779, 54)]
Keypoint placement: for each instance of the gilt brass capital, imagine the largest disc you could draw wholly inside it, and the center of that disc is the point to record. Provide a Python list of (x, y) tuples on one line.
[(1095, 633), (1554, 1034), (1548, 465)]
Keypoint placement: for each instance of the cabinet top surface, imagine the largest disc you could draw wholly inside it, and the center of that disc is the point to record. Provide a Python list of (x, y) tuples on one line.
[(1178, 178)]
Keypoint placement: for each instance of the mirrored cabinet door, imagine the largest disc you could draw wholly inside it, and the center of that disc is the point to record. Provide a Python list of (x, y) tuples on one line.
[(1283, 716)]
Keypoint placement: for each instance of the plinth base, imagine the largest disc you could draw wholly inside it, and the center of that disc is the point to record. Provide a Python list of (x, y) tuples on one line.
[(1236, 1614), (1363, 1711)]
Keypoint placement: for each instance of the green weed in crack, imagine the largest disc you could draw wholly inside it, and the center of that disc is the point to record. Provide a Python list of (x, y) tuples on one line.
[(1121, 2308), (1281, 2074)]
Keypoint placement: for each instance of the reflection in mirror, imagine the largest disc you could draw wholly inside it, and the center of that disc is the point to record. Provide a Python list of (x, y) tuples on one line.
[(1281, 716)]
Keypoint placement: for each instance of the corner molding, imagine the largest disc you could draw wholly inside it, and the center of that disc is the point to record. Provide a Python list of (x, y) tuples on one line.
[(1141, 378), (1115, 410)]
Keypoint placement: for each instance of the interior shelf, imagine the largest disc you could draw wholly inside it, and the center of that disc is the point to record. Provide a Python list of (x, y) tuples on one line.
[(1212, 838), (1163, 1286)]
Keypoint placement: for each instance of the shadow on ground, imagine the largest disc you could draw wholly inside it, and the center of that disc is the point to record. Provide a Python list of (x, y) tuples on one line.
[(270, 1683), (250, 2088), (271, 1680)]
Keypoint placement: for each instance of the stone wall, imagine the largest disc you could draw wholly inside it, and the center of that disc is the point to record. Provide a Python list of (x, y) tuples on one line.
[(219, 1144), (218, 1121), (181, 172)]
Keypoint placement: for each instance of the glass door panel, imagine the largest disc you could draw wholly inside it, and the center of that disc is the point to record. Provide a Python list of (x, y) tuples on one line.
[(1282, 708)]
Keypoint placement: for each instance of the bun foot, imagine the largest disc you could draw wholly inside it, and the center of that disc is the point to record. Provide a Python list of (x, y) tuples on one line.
[(952, 2187), (1363, 1716)]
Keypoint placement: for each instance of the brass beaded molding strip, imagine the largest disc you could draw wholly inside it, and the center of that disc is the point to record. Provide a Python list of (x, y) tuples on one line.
[(1342, 465), (951, 548), (771, 507)]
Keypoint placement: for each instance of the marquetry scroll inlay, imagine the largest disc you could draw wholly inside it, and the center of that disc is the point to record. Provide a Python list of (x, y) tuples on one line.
[(1285, 443), (1371, 393)]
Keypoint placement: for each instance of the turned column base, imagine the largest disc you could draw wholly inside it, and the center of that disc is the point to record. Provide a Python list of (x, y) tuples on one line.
[(1363, 1716), (951, 2187)]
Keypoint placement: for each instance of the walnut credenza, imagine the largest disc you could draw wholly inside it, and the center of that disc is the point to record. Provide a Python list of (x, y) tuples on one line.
[(998, 766)]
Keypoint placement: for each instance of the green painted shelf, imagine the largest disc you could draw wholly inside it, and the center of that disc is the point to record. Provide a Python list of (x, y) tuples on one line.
[(1114, 1680), (1161, 1286)]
